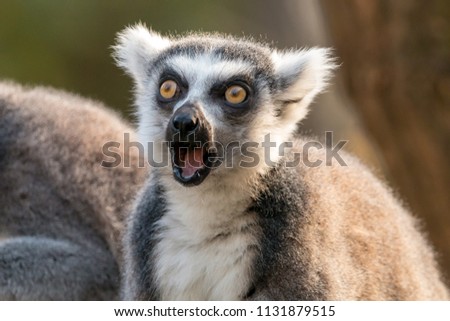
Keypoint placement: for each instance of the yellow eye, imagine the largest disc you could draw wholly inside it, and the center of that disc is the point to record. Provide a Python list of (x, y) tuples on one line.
[(235, 94), (168, 89)]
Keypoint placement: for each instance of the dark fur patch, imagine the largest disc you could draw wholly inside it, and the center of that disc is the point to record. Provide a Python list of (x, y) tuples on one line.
[(149, 211), (5, 132), (283, 270)]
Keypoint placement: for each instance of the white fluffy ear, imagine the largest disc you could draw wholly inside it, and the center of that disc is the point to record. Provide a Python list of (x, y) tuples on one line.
[(301, 75), (135, 47)]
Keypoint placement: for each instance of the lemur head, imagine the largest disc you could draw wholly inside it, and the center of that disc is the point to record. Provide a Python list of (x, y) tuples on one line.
[(198, 95)]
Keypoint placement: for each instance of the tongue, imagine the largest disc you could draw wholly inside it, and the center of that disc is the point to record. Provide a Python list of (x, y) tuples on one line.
[(193, 161)]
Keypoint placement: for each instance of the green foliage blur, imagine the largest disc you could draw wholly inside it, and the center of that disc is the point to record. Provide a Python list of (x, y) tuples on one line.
[(66, 44)]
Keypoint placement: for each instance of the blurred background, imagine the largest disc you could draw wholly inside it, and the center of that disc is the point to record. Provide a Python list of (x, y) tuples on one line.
[(390, 98)]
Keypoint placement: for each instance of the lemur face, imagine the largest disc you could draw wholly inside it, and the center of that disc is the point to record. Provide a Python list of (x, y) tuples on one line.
[(206, 94), (204, 98)]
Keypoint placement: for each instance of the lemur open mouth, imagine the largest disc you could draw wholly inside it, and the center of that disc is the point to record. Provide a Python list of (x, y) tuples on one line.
[(190, 137), (191, 162)]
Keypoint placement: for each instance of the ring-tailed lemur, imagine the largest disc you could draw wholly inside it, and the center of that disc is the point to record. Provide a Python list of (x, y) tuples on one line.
[(61, 213), (205, 228)]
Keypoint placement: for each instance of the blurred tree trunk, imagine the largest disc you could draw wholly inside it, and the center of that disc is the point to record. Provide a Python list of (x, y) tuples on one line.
[(396, 69), (301, 24)]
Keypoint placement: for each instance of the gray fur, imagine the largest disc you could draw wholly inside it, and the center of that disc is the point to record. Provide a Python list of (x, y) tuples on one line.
[(265, 232), (221, 48), (140, 285), (366, 248), (282, 205), (61, 213)]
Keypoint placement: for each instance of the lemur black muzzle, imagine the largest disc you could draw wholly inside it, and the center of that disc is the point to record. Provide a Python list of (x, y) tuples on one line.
[(190, 138)]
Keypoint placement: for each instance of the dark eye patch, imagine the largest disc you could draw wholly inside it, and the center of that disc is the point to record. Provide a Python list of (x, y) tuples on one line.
[(219, 88), (183, 87), (171, 74), (234, 111)]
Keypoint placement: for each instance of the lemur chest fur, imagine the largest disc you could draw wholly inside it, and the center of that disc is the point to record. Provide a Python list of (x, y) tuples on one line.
[(205, 248)]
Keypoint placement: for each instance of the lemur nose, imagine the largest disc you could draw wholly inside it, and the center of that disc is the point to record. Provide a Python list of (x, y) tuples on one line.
[(185, 122)]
